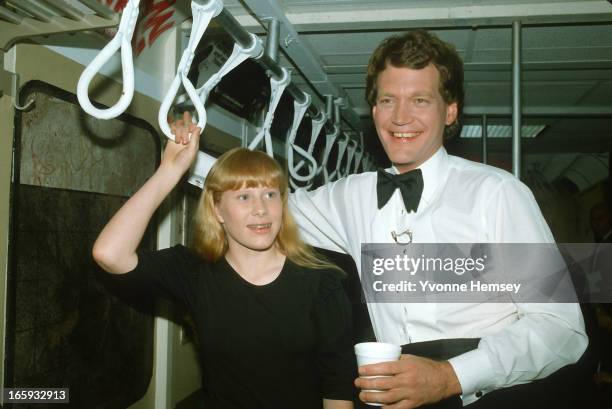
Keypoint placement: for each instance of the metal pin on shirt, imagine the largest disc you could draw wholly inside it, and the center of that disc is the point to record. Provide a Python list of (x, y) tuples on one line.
[(406, 232)]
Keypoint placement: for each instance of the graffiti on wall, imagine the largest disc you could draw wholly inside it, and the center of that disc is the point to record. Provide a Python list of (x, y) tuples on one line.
[(81, 152), (155, 18)]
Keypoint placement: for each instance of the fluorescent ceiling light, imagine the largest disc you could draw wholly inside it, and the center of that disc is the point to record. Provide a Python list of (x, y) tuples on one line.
[(500, 131)]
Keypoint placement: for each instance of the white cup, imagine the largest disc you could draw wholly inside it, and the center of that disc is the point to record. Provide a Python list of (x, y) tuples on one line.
[(373, 353)]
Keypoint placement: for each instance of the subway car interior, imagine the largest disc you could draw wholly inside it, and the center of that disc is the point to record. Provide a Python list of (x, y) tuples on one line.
[(87, 88)]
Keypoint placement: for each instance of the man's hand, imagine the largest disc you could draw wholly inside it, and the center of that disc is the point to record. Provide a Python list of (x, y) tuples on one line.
[(409, 383)]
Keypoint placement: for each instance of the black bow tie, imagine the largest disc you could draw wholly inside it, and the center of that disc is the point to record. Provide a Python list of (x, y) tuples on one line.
[(410, 185)]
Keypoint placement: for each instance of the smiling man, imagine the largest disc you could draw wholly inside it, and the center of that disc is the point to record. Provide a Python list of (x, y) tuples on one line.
[(410, 115), (415, 88)]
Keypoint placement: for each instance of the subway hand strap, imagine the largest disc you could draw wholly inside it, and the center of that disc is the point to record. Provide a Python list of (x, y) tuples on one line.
[(121, 40), (202, 14)]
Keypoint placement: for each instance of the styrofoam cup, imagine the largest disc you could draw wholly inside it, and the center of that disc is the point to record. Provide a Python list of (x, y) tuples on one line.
[(373, 353)]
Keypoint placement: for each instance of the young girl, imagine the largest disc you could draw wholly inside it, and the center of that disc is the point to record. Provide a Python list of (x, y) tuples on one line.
[(272, 320)]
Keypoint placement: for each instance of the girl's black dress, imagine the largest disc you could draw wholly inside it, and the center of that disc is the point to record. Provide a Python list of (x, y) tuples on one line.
[(283, 345)]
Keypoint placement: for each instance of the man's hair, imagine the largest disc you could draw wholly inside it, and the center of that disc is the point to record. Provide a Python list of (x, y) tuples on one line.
[(241, 168), (416, 50)]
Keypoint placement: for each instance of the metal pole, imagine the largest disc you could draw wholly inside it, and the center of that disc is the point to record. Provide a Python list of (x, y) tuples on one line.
[(337, 116), (516, 99), (484, 134), (243, 38), (329, 107), (272, 39)]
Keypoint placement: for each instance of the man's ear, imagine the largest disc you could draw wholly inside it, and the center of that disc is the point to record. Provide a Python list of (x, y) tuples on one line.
[(451, 113), (373, 111)]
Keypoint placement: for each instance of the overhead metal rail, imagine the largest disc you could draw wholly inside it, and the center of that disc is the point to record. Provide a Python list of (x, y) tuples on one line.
[(300, 53), (21, 19), (267, 61)]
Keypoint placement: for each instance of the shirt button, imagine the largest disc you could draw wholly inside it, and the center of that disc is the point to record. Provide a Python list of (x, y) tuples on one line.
[(479, 394)]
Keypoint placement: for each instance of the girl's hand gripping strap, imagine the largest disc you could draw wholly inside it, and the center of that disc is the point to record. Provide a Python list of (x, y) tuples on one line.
[(121, 40), (202, 14), (299, 110), (278, 87)]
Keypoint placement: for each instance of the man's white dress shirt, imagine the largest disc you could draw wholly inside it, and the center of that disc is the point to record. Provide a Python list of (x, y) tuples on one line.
[(462, 202)]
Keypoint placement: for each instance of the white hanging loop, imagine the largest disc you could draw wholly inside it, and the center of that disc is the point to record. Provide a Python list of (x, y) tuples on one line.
[(299, 110), (202, 14), (337, 173), (330, 139), (315, 130), (278, 87), (122, 40), (239, 55), (316, 127), (358, 158), (352, 146)]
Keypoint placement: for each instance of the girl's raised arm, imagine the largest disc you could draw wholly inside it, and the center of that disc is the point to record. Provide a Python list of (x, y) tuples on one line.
[(115, 247)]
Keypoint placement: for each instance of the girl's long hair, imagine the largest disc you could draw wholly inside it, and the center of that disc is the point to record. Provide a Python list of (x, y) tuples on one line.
[(241, 168)]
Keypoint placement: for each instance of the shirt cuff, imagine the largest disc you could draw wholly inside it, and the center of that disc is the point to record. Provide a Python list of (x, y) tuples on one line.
[(475, 373)]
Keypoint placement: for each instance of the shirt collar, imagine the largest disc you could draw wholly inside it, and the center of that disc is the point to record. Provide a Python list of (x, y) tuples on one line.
[(434, 171)]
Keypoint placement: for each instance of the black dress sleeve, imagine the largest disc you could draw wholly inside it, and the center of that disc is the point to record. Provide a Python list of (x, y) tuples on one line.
[(335, 357), (168, 273)]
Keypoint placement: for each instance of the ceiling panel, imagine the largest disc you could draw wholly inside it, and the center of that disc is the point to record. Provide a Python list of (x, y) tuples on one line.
[(551, 93), (601, 95)]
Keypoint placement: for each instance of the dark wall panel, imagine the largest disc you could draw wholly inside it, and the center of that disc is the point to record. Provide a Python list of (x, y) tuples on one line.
[(66, 326)]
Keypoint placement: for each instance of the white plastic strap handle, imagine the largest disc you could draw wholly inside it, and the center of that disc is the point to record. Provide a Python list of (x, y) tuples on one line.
[(202, 14), (238, 56), (299, 110), (330, 139), (122, 40), (352, 146), (316, 127), (337, 173), (278, 87)]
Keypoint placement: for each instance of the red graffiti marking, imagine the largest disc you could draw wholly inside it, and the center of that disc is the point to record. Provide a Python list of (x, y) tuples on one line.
[(156, 17), (121, 4), (140, 45)]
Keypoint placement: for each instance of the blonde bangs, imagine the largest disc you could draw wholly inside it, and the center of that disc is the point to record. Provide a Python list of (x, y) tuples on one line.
[(242, 168)]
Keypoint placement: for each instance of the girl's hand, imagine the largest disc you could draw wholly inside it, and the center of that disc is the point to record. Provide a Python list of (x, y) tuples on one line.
[(183, 128), (179, 154)]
